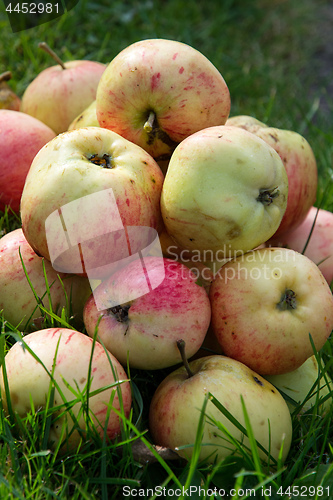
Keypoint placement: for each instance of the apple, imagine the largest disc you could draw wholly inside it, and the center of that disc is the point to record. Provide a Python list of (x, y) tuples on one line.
[(157, 92), (299, 161), (142, 310), (176, 407), (84, 190), (305, 386), (225, 191), (21, 137), (247, 122), (266, 304), (67, 357), (18, 301), (60, 93), (87, 118), (320, 246), (8, 98)]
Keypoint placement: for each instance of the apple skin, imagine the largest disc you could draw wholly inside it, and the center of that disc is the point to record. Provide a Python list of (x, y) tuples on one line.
[(8, 98), (301, 167), (176, 309), (249, 123), (22, 136), (62, 172), (87, 118), (173, 80), (300, 164), (176, 405), (16, 297), (210, 196), (298, 384), (57, 96), (265, 305), (28, 379), (320, 247)]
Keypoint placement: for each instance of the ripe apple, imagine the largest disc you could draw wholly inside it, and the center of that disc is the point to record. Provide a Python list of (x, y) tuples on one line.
[(176, 408), (60, 93), (8, 98), (18, 301), (82, 191), (21, 137), (87, 118), (320, 246), (266, 304), (143, 309), (299, 161), (68, 358), (157, 92), (249, 123), (225, 192), (301, 383)]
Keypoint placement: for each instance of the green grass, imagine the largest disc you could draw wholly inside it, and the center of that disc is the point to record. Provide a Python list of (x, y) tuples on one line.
[(267, 53)]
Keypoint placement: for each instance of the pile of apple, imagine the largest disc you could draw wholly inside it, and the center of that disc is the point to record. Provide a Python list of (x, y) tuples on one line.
[(165, 227)]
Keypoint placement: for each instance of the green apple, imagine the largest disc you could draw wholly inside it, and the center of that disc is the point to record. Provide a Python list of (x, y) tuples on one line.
[(86, 185), (87, 118), (301, 383), (225, 191), (175, 410)]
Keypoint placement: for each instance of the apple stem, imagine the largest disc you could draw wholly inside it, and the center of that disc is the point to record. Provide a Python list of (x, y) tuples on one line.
[(148, 126), (4, 77), (48, 50), (181, 348)]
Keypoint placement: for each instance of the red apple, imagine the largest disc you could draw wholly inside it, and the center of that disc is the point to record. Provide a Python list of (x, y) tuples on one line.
[(266, 304), (68, 356), (61, 92), (21, 137), (142, 310), (320, 246), (17, 300), (157, 92)]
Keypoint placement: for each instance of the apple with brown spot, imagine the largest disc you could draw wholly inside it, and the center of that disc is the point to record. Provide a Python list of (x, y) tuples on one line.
[(18, 301), (157, 92), (168, 306), (63, 357), (176, 406), (266, 304), (21, 137)]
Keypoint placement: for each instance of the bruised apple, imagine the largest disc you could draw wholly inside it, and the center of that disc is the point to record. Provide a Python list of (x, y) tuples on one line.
[(78, 369), (141, 311), (266, 304), (176, 406)]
